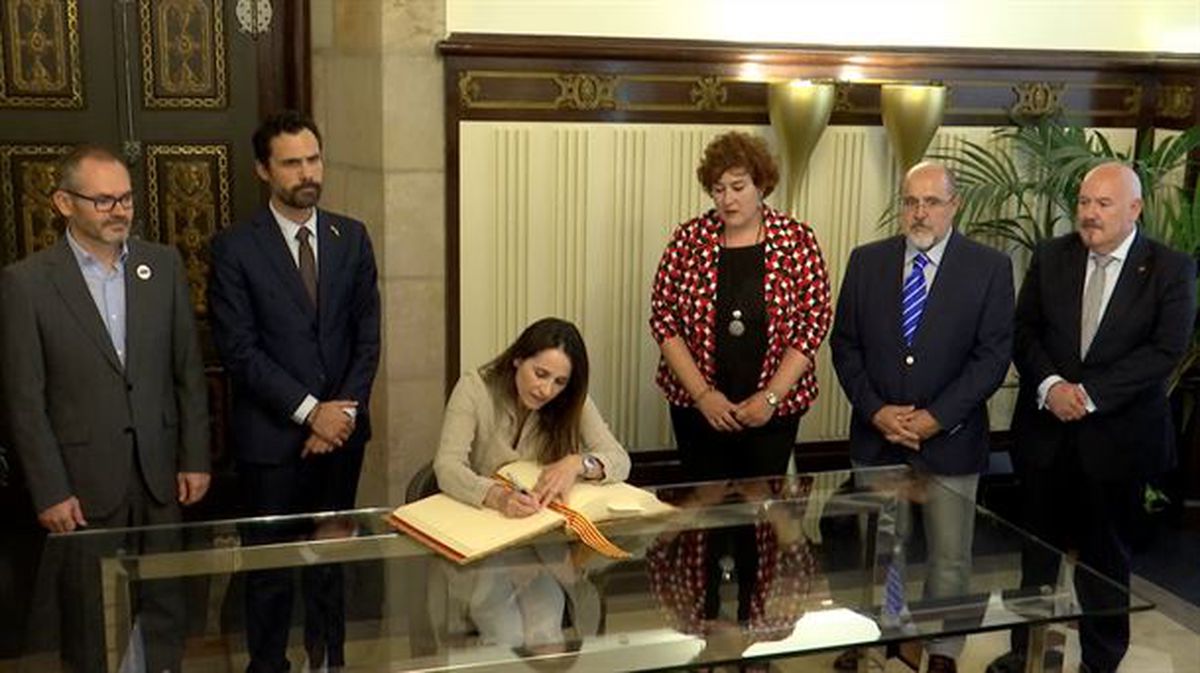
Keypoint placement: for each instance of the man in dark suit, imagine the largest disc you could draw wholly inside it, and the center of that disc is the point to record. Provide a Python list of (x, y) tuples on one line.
[(921, 339), (104, 393), (295, 311), (1104, 316)]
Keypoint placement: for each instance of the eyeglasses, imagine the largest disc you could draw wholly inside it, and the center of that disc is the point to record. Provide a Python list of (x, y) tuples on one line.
[(105, 204), (930, 202)]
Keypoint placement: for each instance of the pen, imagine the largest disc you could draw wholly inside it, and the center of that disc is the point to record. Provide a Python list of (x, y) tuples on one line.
[(517, 485)]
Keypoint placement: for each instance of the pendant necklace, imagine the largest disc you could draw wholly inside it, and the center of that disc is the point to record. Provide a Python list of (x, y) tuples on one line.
[(736, 327)]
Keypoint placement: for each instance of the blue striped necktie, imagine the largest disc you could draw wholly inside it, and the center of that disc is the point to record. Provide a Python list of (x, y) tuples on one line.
[(912, 298)]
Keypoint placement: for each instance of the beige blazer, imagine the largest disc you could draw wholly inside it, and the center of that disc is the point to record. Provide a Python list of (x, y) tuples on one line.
[(478, 437)]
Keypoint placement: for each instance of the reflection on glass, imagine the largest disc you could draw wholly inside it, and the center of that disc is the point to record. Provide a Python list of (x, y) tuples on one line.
[(804, 566)]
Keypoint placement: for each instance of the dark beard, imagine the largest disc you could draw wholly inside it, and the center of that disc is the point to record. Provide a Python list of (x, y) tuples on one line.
[(300, 199)]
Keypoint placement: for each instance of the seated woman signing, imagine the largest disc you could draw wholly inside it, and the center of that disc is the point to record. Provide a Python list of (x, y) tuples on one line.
[(529, 403)]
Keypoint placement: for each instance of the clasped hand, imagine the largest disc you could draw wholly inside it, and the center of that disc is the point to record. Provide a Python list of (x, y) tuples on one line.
[(906, 425), (1066, 401), (332, 423), (725, 416)]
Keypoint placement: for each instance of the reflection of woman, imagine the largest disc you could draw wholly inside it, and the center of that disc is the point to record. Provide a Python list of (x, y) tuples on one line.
[(739, 306), (529, 403), (774, 565)]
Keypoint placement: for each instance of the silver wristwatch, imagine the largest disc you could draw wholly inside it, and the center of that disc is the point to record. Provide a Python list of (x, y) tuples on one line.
[(592, 468), (772, 398)]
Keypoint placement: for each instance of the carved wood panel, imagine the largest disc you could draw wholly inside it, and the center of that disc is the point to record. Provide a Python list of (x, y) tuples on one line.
[(39, 42), (29, 174), (183, 54), (187, 194)]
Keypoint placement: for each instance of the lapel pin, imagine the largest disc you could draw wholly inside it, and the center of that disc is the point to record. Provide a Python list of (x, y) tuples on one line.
[(335, 231), (144, 272)]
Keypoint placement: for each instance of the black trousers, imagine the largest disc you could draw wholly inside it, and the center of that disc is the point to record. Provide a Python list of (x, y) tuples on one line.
[(1070, 509), (69, 598), (318, 483), (709, 454)]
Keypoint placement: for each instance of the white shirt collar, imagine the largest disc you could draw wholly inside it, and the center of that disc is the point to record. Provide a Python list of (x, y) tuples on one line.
[(934, 254), (289, 228), (1122, 250), (83, 257)]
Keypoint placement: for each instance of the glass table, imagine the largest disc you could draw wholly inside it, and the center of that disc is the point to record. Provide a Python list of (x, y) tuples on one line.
[(741, 572)]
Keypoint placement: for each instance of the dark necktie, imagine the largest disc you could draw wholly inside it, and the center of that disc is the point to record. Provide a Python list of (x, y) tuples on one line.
[(308, 264)]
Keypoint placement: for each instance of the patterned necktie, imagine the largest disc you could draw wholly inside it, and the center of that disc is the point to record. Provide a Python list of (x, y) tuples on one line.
[(308, 264), (1093, 297), (912, 298)]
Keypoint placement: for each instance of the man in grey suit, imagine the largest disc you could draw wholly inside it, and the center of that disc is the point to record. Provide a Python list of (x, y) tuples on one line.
[(922, 338), (103, 391)]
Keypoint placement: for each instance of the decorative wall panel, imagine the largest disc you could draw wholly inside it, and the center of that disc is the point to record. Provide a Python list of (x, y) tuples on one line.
[(183, 54), (647, 95), (187, 194), (570, 220), (39, 43), (31, 223), (592, 238)]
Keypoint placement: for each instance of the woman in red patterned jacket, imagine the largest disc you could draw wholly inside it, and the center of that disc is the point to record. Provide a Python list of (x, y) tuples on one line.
[(739, 306)]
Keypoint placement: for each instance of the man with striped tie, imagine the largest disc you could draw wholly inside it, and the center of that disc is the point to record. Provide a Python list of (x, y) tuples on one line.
[(921, 339)]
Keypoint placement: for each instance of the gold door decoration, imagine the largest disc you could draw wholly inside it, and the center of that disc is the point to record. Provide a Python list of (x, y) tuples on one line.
[(520, 90), (1176, 101), (40, 46), (188, 198), (1037, 99), (183, 54), (30, 175)]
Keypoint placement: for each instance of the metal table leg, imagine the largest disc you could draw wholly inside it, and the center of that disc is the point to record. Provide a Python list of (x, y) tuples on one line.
[(1035, 654)]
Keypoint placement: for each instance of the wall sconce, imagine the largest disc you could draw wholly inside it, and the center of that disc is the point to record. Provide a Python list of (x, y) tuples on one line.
[(799, 112), (912, 113)]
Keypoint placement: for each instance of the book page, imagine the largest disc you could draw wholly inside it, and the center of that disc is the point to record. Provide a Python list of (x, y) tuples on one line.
[(472, 531), (598, 502)]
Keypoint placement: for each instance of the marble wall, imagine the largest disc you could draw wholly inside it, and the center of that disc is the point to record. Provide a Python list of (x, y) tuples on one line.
[(377, 96)]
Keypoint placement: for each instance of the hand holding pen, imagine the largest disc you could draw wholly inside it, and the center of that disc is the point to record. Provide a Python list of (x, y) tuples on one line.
[(514, 502)]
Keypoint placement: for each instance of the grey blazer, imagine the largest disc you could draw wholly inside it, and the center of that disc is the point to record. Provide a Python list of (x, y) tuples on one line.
[(71, 407)]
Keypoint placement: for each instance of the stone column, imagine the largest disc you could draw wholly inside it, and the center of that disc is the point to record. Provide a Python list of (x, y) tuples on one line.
[(377, 96)]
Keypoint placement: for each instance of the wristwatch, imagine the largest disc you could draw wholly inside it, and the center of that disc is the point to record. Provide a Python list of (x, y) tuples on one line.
[(772, 398), (592, 468)]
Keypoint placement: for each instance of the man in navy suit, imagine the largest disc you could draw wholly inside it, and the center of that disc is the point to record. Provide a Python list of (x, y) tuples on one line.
[(1105, 315), (922, 338), (295, 310)]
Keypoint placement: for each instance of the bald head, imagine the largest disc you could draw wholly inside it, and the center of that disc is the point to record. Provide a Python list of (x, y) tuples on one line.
[(1109, 204), (933, 170), (1122, 173)]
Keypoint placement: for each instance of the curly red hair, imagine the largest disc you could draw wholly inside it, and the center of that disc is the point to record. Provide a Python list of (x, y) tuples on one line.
[(738, 150)]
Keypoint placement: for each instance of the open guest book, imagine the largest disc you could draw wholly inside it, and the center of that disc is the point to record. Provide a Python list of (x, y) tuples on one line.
[(464, 533)]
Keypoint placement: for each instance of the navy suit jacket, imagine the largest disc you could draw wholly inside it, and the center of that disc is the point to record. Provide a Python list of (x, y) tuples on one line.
[(276, 347), (959, 355), (1143, 334)]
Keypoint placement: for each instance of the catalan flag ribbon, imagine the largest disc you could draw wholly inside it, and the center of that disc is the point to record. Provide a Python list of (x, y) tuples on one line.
[(579, 524)]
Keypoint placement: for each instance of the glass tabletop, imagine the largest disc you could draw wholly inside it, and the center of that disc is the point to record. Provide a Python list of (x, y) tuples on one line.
[(757, 569)]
